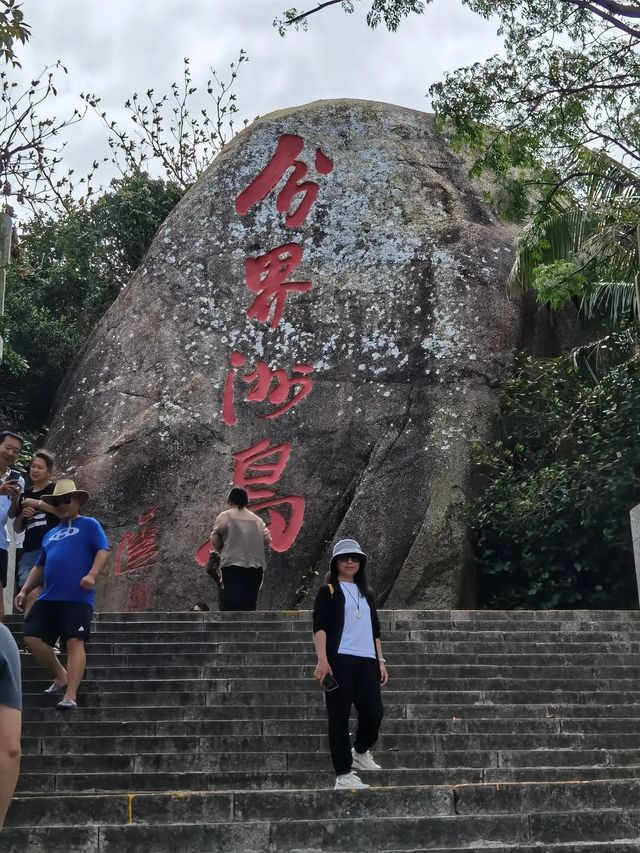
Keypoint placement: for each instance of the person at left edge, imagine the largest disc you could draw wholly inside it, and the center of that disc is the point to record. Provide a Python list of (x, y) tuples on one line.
[(73, 555), (11, 487)]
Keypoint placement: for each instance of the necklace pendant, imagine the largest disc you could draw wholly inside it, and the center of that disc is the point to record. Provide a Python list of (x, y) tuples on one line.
[(358, 614)]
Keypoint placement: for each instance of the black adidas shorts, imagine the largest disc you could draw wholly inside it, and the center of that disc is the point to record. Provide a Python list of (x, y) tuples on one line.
[(64, 620)]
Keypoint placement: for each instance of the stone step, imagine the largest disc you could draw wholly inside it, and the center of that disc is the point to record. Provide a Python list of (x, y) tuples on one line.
[(389, 625), (282, 726), (430, 648), (100, 696), (173, 760), (157, 762), (468, 676), (208, 806), (579, 847), (82, 840), (340, 835), (56, 745), (404, 677), (451, 645), (260, 779), (442, 616), (460, 666), (600, 664), (454, 617), (493, 641), (376, 802), (316, 711)]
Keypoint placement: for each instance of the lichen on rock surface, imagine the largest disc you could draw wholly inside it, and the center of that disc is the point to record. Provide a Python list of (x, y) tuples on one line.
[(406, 329)]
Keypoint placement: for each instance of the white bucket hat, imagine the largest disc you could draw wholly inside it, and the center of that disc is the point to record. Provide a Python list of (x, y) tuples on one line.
[(347, 546)]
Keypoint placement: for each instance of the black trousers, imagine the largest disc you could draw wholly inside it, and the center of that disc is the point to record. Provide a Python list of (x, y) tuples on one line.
[(359, 680), (241, 587)]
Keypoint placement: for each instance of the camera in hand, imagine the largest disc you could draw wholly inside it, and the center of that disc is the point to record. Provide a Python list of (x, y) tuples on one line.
[(329, 683)]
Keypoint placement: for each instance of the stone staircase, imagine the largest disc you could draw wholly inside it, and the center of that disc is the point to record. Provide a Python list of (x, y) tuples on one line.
[(197, 732)]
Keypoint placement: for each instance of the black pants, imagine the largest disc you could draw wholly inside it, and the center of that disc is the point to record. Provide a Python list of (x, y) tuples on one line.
[(241, 587), (359, 680)]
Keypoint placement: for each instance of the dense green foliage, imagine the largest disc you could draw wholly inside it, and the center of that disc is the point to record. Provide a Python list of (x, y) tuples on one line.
[(13, 28), (552, 527), (70, 270)]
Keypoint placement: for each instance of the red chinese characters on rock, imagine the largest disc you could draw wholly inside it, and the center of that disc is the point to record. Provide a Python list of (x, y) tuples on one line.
[(285, 156), (140, 597), (138, 549), (266, 276), (259, 467), (256, 469), (269, 385)]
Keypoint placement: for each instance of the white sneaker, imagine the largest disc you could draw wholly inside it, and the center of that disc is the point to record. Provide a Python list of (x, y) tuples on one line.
[(349, 781), (364, 761)]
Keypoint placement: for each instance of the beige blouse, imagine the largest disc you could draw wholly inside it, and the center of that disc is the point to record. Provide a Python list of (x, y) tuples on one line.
[(243, 536)]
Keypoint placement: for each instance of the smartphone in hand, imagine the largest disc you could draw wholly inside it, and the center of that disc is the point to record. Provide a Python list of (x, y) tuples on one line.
[(329, 683)]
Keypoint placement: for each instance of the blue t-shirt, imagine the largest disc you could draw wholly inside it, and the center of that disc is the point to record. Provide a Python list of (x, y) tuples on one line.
[(68, 552)]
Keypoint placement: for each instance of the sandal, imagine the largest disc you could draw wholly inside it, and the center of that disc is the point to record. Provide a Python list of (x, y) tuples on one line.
[(56, 688)]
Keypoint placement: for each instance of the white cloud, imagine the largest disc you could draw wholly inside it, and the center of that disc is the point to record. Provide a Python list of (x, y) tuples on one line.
[(116, 47)]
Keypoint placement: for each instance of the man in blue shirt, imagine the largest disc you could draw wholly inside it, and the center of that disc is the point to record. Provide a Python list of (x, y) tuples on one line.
[(73, 555)]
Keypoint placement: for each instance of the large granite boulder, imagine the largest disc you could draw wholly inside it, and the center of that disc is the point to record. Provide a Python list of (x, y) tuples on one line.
[(328, 304)]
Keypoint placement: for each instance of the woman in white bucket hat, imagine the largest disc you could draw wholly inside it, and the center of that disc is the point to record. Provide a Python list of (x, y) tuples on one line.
[(350, 665)]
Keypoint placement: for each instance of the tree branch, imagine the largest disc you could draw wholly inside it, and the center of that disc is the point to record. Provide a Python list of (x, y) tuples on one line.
[(619, 8), (306, 14), (597, 7)]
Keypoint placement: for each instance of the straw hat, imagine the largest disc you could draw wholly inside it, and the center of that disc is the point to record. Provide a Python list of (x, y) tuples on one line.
[(66, 488)]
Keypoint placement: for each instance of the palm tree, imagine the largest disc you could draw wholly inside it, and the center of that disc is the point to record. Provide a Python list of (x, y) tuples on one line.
[(584, 245)]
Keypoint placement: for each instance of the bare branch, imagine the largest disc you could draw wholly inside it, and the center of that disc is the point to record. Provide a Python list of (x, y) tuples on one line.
[(301, 17), (598, 8)]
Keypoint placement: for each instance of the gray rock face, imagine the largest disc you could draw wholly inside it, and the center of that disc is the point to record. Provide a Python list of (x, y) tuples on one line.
[(336, 273)]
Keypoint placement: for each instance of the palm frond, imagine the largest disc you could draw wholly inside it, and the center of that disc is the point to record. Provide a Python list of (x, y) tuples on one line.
[(615, 300), (597, 357), (560, 236), (593, 224)]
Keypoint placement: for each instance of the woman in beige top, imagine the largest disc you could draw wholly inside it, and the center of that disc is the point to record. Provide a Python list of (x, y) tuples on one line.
[(240, 537)]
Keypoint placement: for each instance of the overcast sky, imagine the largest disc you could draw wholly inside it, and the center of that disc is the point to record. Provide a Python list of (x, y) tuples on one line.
[(116, 47)]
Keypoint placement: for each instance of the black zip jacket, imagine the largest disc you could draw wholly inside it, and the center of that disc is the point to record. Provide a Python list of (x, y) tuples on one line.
[(328, 616)]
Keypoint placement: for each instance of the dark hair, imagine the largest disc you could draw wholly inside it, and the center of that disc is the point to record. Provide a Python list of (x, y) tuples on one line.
[(359, 579), (7, 433), (238, 497), (47, 457), (202, 605)]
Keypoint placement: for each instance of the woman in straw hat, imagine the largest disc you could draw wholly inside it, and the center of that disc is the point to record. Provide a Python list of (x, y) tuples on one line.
[(73, 555), (350, 665)]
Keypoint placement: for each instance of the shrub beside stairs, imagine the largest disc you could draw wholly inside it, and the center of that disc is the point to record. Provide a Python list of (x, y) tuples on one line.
[(512, 731)]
